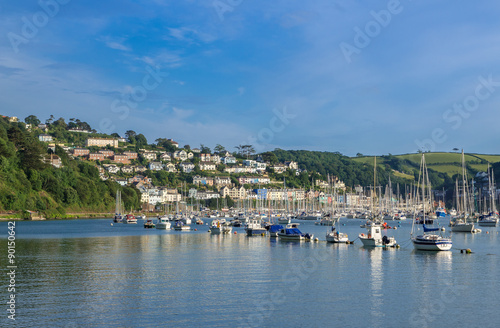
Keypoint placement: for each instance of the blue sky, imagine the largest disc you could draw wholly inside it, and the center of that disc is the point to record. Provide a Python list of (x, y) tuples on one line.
[(373, 77)]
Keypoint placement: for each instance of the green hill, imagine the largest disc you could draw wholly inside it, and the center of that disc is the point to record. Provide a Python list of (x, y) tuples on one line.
[(28, 183)]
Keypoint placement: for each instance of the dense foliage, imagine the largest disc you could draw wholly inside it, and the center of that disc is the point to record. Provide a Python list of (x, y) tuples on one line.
[(27, 183), (325, 163)]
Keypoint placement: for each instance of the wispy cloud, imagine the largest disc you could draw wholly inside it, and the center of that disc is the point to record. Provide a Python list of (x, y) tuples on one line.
[(190, 35), (115, 43), (165, 59)]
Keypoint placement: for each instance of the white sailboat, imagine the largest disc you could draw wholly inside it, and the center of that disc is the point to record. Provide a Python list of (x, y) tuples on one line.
[(431, 239), (490, 219), (118, 207), (373, 237), (460, 223), (334, 235)]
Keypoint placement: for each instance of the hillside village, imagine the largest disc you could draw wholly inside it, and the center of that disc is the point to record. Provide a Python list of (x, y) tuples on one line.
[(164, 172), (209, 175)]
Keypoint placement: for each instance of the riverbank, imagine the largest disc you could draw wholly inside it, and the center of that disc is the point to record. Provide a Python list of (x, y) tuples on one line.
[(19, 216)]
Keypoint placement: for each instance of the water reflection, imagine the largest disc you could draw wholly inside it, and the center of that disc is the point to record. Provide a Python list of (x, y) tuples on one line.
[(376, 285)]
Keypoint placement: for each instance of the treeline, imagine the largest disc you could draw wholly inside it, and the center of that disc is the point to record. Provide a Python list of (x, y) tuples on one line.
[(28, 183), (326, 163)]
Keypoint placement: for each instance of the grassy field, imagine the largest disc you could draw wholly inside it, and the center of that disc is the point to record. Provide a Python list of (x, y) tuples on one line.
[(448, 169), (365, 159), (403, 175), (489, 158), (449, 163), (479, 167), (439, 158), (434, 158)]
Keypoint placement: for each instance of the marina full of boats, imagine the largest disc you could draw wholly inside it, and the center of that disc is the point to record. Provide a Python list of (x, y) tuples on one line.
[(282, 220)]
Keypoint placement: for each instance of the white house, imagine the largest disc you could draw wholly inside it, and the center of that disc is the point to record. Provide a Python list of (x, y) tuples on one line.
[(139, 168), (165, 157), (122, 182), (260, 166), (229, 160), (222, 181), (292, 165), (254, 180), (170, 195), (205, 195), (127, 169), (155, 166), (149, 155), (111, 168), (249, 162), (234, 193), (180, 154), (170, 168), (215, 158), (207, 166), (279, 168), (45, 138), (186, 167)]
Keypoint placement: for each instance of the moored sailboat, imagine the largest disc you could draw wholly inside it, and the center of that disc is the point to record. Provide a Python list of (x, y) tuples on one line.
[(431, 239), (118, 205), (491, 219), (461, 223)]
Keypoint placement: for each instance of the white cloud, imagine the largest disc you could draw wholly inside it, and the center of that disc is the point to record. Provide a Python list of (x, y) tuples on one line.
[(114, 43), (163, 59), (190, 35)]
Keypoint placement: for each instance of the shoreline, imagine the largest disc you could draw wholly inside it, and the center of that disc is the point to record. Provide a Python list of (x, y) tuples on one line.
[(17, 216)]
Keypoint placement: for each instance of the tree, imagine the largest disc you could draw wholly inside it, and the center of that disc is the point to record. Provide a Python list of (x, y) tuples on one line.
[(187, 147), (166, 144), (6, 149), (32, 119), (219, 149), (130, 134), (270, 157), (229, 201), (30, 154), (50, 119), (359, 155), (16, 136), (247, 150), (60, 123), (205, 150), (141, 140)]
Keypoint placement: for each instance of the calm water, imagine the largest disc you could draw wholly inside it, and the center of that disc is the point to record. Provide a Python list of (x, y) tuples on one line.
[(88, 273)]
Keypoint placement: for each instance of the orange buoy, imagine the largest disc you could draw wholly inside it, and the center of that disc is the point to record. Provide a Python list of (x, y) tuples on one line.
[(236, 232), (195, 229)]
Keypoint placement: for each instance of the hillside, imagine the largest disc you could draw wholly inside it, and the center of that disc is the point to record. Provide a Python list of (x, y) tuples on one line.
[(27, 182), (448, 163), (84, 184)]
